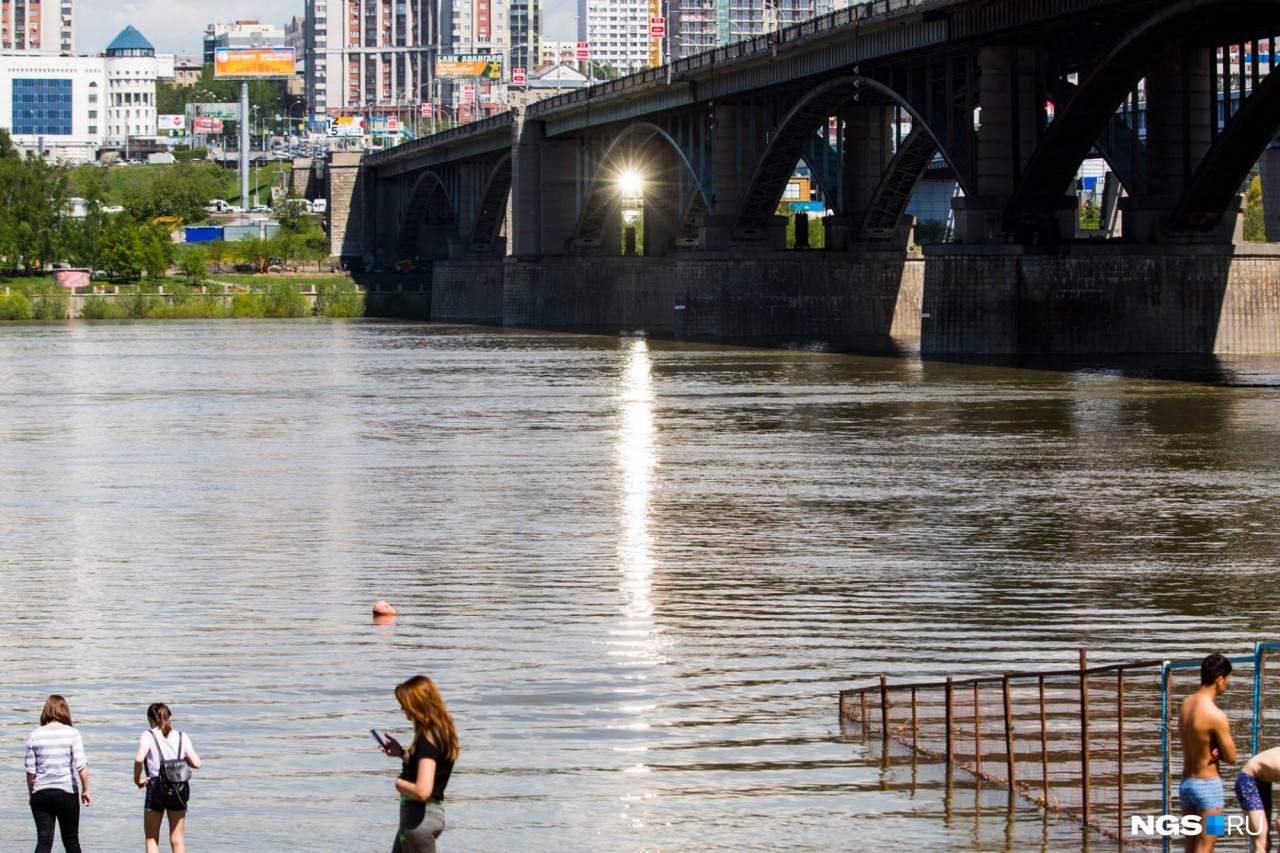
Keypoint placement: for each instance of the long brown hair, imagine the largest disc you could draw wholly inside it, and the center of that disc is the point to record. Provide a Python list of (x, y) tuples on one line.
[(55, 710), (158, 715), (422, 703)]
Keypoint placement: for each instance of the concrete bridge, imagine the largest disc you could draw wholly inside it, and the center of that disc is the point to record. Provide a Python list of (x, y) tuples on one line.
[(521, 217)]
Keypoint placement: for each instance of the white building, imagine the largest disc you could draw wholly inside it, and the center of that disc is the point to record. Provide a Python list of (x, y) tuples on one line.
[(618, 32), (240, 34), (55, 105), (42, 26), (699, 25), (131, 70), (69, 107)]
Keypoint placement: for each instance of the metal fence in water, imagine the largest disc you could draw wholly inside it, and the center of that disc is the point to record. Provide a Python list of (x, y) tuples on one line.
[(1096, 743)]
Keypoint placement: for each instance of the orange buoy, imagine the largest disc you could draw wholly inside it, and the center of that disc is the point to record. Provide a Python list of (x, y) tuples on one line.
[(381, 608)]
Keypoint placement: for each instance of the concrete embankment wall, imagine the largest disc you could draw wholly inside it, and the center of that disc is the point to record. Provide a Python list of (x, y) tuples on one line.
[(1102, 299), (842, 300), (956, 300), (467, 291)]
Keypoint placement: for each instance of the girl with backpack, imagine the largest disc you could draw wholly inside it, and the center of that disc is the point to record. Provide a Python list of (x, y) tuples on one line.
[(428, 762), (164, 760), (55, 758)]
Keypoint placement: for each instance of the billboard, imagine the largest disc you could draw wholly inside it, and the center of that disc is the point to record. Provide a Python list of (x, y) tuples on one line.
[(204, 124), (171, 122), (657, 29), (253, 62), (346, 126), (226, 111), (486, 65)]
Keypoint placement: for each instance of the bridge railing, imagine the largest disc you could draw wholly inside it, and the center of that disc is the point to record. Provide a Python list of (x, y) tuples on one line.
[(461, 131), (744, 49), (1094, 743)]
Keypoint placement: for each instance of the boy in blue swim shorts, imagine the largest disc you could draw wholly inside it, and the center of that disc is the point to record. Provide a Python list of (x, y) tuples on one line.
[(1253, 793), (1206, 739)]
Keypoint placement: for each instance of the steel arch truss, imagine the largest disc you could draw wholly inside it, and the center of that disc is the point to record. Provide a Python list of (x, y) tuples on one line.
[(1101, 112), (430, 218), (492, 209), (934, 108), (642, 148)]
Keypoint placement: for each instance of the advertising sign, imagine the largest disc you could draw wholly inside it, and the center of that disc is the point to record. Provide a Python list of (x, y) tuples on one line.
[(486, 65), (426, 109), (205, 124), (657, 29), (346, 126), (583, 51), (469, 92), (517, 76), (253, 62), (171, 122), (226, 111), (72, 278), (393, 124)]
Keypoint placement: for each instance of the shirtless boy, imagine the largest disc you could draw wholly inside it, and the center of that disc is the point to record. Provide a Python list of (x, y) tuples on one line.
[(1206, 740), (1253, 793)]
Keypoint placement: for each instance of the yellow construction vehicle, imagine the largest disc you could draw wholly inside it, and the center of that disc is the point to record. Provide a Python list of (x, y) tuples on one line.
[(172, 221)]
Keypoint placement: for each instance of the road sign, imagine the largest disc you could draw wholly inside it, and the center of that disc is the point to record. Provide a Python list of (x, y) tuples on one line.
[(426, 109), (657, 27), (517, 76), (583, 52)]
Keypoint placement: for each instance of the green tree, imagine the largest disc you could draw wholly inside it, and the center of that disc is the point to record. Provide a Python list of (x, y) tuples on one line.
[(33, 196), (181, 191), (315, 247), (122, 249), (157, 250), (217, 251), (193, 264)]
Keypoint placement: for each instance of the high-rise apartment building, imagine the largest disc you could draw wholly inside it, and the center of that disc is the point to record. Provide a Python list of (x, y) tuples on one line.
[(526, 34), (363, 54), (698, 25), (618, 32), (43, 26), (477, 26)]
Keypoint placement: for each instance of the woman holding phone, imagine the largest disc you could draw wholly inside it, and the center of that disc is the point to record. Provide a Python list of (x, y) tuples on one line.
[(428, 762)]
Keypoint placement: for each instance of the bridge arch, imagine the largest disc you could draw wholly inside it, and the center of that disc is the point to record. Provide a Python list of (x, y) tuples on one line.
[(491, 212), (1079, 122), (429, 220), (789, 143), (631, 150)]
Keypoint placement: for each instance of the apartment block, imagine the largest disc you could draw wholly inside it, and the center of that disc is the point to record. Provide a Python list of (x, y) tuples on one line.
[(618, 32), (41, 26), (698, 25), (366, 53)]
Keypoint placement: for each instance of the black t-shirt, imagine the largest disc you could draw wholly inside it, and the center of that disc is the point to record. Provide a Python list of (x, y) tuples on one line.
[(423, 748)]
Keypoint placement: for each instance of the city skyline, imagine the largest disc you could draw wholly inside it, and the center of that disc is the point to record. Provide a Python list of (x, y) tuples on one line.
[(180, 29)]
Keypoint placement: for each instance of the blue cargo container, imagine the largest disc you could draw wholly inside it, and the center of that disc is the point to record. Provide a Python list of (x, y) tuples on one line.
[(203, 233)]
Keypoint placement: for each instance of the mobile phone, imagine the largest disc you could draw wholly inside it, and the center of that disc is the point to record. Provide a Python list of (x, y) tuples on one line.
[(378, 738)]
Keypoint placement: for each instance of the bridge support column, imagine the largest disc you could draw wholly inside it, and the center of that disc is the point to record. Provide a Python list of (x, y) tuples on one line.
[(731, 134), (1012, 100), (543, 192), (1180, 121), (346, 206), (869, 138)]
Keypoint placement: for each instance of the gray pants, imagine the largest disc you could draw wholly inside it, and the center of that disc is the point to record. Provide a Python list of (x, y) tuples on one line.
[(420, 826)]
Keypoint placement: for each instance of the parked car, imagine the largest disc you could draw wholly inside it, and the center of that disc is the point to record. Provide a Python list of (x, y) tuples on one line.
[(113, 208)]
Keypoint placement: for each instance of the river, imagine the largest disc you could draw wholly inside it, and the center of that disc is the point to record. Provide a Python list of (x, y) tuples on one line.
[(639, 570)]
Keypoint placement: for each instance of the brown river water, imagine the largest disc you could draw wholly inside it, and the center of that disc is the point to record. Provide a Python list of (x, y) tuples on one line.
[(639, 571)]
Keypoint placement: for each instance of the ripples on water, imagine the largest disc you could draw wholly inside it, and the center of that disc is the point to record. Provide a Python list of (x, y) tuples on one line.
[(639, 571)]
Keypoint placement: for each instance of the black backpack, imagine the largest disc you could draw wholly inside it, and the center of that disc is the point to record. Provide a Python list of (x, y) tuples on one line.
[(171, 789)]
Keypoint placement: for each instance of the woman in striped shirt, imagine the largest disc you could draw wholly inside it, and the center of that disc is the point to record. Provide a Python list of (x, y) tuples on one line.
[(55, 756)]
